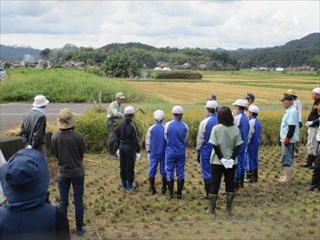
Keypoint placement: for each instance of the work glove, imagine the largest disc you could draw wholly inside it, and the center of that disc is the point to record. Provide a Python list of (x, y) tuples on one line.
[(224, 162), (118, 153), (286, 141), (29, 147), (198, 157), (300, 124), (309, 123), (138, 156), (230, 163)]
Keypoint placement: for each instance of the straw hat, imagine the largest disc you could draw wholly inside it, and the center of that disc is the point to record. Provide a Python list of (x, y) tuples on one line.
[(66, 119)]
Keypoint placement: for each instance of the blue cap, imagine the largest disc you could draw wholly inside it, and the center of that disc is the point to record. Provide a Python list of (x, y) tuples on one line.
[(249, 96)]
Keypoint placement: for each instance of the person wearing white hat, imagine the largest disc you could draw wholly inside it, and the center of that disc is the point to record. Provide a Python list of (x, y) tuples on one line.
[(156, 147), (312, 124), (33, 126), (115, 115), (204, 148), (68, 147), (253, 143), (176, 134), (242, 122), (129, 149)]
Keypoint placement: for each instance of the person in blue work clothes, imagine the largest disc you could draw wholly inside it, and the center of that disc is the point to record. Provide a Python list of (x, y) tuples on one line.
[(253, 143), (156, 147), (176, 134), (289, 135), (129, 149), (242, 122), (204, 148)]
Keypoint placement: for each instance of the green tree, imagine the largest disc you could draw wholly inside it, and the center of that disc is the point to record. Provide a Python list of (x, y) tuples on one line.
[(119, 65)]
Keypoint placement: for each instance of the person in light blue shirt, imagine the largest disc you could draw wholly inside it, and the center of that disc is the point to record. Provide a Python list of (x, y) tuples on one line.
[(156, 146), (204, 147), (289, 135), (253, 143), (176, 134)]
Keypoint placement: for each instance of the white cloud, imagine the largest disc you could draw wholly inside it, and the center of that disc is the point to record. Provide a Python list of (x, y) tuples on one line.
[(204, 24)]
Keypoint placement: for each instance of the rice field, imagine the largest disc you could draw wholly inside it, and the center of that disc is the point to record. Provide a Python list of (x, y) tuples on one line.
[(268, 87)]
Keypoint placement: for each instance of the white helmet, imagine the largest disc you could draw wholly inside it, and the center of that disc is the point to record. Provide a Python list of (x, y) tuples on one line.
[(211, 104), (254, 109), (240, 103), (129, 110), (158, 115), (177, 110)]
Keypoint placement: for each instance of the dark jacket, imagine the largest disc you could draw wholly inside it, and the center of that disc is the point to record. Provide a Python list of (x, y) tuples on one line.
[(33, 129), (128, 133), (313, 115), (68, 147)]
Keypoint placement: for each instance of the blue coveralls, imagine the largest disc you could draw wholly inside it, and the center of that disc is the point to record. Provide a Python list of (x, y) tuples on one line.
[(253, 143), (203, 145), (156, 146), (176, 133), (242, 123)]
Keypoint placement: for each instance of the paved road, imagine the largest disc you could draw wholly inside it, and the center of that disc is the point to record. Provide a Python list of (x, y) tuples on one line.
[(11, 114)]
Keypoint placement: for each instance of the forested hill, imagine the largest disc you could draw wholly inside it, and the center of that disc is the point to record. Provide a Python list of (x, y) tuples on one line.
[(304, 51)]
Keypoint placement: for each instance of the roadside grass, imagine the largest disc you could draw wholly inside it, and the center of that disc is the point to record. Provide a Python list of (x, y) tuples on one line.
[(264, 210), (65, 85)]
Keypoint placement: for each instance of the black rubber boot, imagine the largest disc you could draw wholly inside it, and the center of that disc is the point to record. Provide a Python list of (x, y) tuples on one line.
[(213, 203), (241, 182), (180, 184), (152, 187), (170, 188), (207, 184), (310, 160), (315, 181), (164, 185), (249, 177), (230, 198), (255, 176)]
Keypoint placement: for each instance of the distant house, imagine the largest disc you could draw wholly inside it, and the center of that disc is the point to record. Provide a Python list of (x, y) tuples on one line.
[(158, 68), (166, 69), (279, 69)]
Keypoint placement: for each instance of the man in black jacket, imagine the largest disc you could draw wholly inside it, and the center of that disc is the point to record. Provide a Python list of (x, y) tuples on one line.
[(33, 127), (313, 124), (128, 141)]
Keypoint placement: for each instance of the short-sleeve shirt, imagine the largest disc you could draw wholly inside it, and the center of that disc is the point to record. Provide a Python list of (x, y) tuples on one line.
[(226, 138), (290, 117)]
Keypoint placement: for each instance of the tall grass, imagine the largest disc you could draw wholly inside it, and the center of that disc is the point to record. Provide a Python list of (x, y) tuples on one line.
[(93, 126), (65, 85)]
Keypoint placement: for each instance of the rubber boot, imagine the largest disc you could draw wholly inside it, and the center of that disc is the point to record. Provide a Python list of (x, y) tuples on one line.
[(180, 184), (255, 176), (241, 182), (315, 181), (170, 188), (249, 177), (152, 187), (164, 185), (230, 198), (207, 184), (310, 160), (130, 186), (124, 184), (288, 174), (213, 203)]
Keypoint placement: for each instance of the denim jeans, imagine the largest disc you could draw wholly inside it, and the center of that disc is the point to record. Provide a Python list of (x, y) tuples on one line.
[(64, 184), (287, 154)]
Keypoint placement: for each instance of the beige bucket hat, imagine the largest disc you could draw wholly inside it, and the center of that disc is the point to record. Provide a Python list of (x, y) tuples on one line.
[(66, 119)]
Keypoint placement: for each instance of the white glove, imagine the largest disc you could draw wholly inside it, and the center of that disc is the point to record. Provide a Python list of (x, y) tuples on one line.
[(28, 147), (224, 162), (230, 163), (309, 123), (138, 156), (148, 156), (118, 153)]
